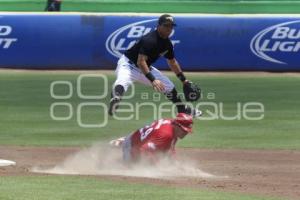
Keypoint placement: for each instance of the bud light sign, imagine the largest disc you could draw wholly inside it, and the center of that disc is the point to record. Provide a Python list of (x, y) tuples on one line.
[(218, 42), (277, 43), (201, 42)]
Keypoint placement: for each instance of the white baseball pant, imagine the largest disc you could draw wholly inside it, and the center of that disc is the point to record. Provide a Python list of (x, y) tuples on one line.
[(127, 73)]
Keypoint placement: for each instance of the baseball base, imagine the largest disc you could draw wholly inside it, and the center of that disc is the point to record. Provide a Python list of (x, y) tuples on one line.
[(4, 163)]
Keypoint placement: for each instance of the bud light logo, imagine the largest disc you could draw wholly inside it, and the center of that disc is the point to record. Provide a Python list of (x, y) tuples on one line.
[(277, 42), (126, 36)]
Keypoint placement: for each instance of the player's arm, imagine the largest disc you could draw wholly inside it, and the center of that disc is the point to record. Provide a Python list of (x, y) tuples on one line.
[(142, 64), (172, 153), (173, 64), (175, 67), (192, 92)]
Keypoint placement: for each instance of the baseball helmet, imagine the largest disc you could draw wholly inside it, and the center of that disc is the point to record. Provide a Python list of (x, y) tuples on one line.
[(184, 121)]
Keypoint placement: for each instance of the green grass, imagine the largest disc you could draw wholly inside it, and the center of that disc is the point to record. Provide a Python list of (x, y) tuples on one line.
[(25, 111), (156, 6), (79, 188)]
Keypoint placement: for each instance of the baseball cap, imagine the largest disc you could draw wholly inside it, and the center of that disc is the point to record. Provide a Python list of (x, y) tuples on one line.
[(166, 19), (185, 121)]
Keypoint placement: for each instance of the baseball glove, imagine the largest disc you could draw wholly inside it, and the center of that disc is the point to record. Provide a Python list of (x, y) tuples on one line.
[(192, 92)]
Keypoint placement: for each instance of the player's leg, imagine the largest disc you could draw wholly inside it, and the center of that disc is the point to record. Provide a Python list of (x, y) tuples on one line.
[(126, 149), (57, 5), (172, 94), (120, 86), (170, 90), (49, 5)]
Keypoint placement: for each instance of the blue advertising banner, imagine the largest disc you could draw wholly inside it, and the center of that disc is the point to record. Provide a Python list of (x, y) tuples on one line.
[(201, 42)]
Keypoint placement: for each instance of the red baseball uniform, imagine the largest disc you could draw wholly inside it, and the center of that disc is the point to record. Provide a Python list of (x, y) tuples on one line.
[(152, 140)]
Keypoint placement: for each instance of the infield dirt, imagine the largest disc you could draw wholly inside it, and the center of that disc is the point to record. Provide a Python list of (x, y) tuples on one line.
[(262, 172)]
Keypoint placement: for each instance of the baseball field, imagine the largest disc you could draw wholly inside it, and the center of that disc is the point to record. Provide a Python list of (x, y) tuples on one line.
[(54, 125)]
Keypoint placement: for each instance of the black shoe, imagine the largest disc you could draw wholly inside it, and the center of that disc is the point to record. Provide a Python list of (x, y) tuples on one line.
[(113, 105), (194, 112)]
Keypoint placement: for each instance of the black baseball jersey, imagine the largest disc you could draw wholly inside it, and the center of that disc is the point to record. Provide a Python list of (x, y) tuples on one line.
[(151, 45)]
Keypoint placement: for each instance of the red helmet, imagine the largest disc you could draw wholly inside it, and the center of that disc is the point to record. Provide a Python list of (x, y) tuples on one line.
[(185, 121)]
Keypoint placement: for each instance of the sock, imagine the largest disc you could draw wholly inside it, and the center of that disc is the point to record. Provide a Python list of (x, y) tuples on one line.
[(118, 91), (173, 96)]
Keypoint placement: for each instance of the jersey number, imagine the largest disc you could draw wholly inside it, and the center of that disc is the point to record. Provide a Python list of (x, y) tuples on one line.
[(148, 129)]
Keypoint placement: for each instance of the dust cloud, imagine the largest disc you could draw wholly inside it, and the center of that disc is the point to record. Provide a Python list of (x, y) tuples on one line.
[(102, 159)]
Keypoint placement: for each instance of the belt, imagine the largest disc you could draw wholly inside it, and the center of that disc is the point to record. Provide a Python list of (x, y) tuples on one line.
[(130, 62)]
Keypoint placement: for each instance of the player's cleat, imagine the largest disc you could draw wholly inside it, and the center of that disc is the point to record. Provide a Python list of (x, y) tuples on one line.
[(196, 113), (117, 143), (192, 111), (113, 105)]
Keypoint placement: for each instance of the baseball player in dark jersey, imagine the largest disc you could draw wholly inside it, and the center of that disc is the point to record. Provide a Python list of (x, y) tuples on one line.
[(53, 5), (135, 65)]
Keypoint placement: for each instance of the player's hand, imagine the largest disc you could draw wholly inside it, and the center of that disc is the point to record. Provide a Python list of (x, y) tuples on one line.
[(158, 85), (186, 81)]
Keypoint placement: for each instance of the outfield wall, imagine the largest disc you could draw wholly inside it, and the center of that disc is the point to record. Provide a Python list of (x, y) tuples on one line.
[(202, 42)]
